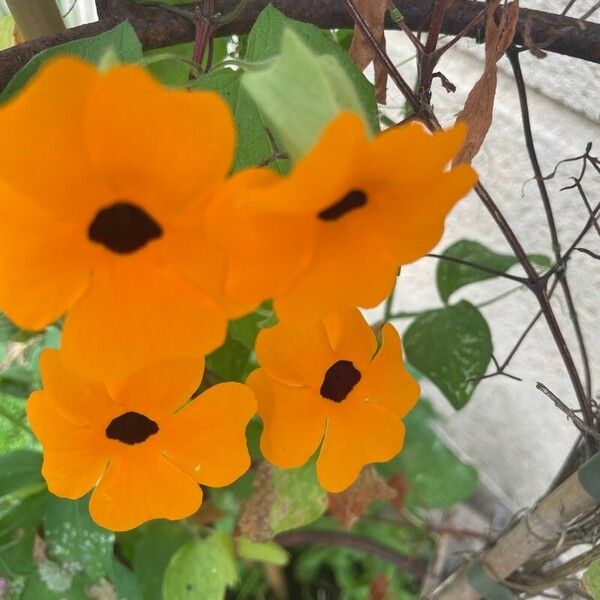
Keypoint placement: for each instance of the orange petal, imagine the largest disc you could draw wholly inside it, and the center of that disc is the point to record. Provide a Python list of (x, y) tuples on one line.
[(135, 315), (79, 401), (388, 382), (418, 216), (157, 146), (321, 177), (351, 336), (266, 250), (346, 271), (421, 153), (75, 456), (358, 434), (293, 354), (139, 485), (159, 389), (45, 264), (293, 420), (207, 438), (43, 151)]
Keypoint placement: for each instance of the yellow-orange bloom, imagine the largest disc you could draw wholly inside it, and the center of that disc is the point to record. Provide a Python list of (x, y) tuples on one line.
[(326, 383), (104, 180), (333, 233), (133, 442)]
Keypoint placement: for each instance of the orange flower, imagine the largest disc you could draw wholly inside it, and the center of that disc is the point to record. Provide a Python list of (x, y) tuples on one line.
[(104, 180), (129, 441), (333, 234), (321, 383)]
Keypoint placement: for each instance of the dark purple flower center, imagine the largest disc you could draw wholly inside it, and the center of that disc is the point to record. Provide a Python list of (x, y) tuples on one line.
[(131, 428), (339, 380), (351, 201), (123, 228)]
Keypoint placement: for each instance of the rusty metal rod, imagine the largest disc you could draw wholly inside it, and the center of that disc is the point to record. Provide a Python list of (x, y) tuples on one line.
[(158, 28)]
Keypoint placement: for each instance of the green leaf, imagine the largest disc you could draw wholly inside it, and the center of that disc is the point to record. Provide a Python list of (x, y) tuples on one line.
[(265, 41), (122, 40), (20, 470), (125, 582), (451, 346), (73, 538), (231, 362), (7, 32), (299, 499), (18, 529), (300, 92), (253, 146), (435, 477), (174, 70), (245, 329), (452, 276), (266, 552), (201, 569), (160, 542), (591, 580)]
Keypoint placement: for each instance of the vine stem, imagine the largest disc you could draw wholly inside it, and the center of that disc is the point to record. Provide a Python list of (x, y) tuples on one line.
[(583, 394), (305, 537)]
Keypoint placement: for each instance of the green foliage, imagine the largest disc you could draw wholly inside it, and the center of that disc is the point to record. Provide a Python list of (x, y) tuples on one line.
[(307, 85), (354, 571), (172, 68), (20, 470), (591, 580), (201, 569), (121, 40), (435, 478), (266, 552), (298, 499), (452, 276), (253, 144), (160, 541), (73, 539), (451, 346), (7, 32)]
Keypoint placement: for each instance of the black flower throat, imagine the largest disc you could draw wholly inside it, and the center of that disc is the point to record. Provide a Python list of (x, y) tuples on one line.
[(131, 428), (339, 381), (123, 228), (351, 201)]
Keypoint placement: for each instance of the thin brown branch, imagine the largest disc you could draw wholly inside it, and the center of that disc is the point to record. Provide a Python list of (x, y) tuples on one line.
[(568, 411)]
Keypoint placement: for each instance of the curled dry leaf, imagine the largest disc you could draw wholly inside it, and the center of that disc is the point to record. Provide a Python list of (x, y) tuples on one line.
[(348, 506), (373, 11), (478, 110), (379, 588)]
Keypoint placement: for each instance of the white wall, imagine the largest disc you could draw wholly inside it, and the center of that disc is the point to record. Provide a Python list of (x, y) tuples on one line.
[(513, 433)]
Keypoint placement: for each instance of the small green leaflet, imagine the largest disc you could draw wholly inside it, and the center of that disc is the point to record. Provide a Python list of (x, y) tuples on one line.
[(591, 580)]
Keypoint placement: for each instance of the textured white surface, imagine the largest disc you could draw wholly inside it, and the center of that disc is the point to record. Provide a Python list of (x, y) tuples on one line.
[(515, 436)]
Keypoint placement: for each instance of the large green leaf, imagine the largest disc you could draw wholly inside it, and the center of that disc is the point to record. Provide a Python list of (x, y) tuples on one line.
[(253, 146), (435, 478), (160, 542), (72, 537), (300, 92), (20, 469), (201, 569), (121, 40), (452, 276), (451, 346), (264, 42)]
